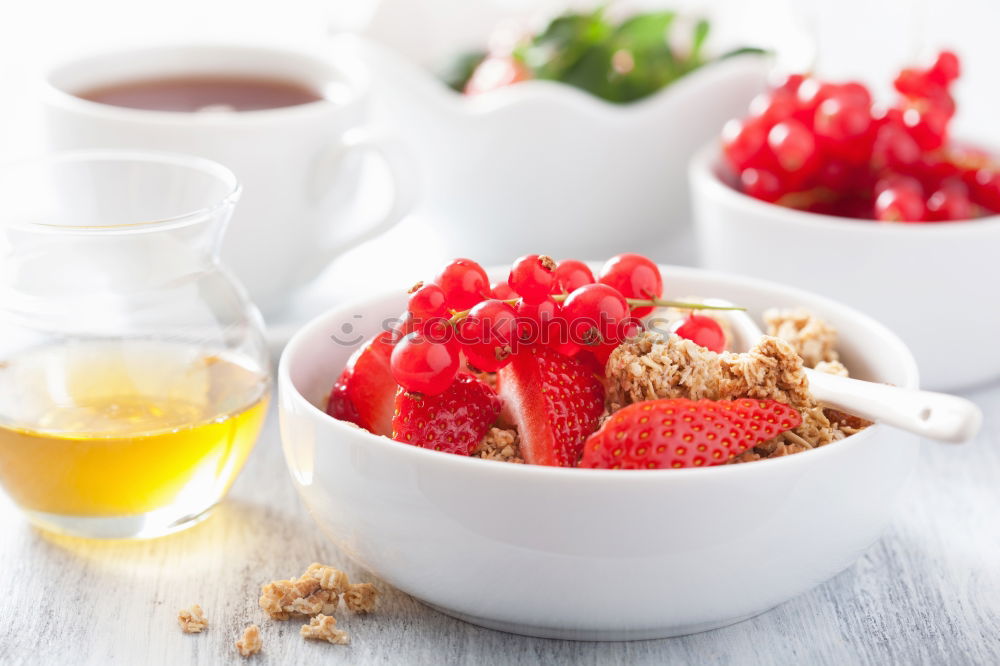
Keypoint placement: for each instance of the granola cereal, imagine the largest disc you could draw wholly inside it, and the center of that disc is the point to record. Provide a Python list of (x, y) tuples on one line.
[(330, 579), (846, 423), (324, 628), (316, 591), (250, 644), (282, 599), (652, 367), (812, 338), (500, 444), (192, 620), (360, 598)]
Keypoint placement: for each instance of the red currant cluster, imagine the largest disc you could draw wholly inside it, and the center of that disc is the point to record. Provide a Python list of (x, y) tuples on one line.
[(826, 148), (460, 316)]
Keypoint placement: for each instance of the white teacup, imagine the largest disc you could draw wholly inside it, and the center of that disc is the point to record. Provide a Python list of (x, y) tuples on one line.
[(298, 164)]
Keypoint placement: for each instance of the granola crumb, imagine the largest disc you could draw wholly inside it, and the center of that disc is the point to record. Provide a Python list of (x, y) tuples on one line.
[(250, 644), (192, 620), (500, 444), (360, 598), (847, 423), (316, 591), (324, 628), (329, 578), (813, 339)]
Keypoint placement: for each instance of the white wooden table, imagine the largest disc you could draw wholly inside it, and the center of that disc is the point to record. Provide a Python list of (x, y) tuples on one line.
[(927, 593)]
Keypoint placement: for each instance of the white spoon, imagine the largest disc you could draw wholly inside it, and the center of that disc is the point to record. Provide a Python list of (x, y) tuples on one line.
[(939, 416)]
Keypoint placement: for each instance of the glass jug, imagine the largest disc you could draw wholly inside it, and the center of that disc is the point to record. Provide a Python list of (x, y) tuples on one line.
[(134, 375)]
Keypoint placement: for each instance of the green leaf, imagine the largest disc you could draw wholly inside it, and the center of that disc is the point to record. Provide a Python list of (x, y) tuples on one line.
[(620, 62), (554, 52), (700, 33), (743, 50), (645, 30)]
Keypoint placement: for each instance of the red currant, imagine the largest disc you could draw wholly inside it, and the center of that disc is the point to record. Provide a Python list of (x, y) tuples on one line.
[(464, 283), (761, 184), (821, 147), (421, 365), (633, 276), (744, 143), (403, 326), (703, 331), (502, 291), (914, 83), (790, 83), (601, 354), (427, 301), (984, 187), (945, 69), (928, 127), (900, 203), (811, 94), (532, 276), (537, 321), (842, 128), (950, 202), (897, 181), (853, 94), (834, 175), (489, 335), (894, 148), (793, 144), (566, 347), (595, 313), (773, 107), (571, 275)]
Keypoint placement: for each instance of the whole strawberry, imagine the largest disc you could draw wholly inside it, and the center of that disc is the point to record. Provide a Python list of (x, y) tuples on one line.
[(454, 421), (660, 434)]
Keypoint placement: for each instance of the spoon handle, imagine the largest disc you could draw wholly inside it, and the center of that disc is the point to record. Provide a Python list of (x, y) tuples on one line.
[(946, 418)]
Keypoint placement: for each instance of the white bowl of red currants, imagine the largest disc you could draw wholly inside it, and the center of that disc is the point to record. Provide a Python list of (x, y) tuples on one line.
[(564, 453), (877, 207)]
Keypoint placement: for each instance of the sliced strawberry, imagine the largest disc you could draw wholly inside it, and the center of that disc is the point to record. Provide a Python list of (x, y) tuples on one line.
[(659, 434), (454, 421), (365, 390), (554, 400)]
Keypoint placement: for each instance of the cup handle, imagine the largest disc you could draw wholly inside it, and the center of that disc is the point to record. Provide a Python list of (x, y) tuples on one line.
[(398, 161)]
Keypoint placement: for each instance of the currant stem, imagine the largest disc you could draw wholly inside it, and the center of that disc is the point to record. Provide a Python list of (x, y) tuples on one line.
[(458, 315), (680, 305)]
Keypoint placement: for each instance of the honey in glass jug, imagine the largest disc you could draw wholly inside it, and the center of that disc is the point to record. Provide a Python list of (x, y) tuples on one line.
[(134, 375)]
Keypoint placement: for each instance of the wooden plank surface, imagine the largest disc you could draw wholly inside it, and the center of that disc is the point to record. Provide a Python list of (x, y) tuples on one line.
[(927, 593)]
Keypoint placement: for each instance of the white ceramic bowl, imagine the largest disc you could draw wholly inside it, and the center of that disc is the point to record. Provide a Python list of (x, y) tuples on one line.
[(933, 284), (545, 167), (594, 554)]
